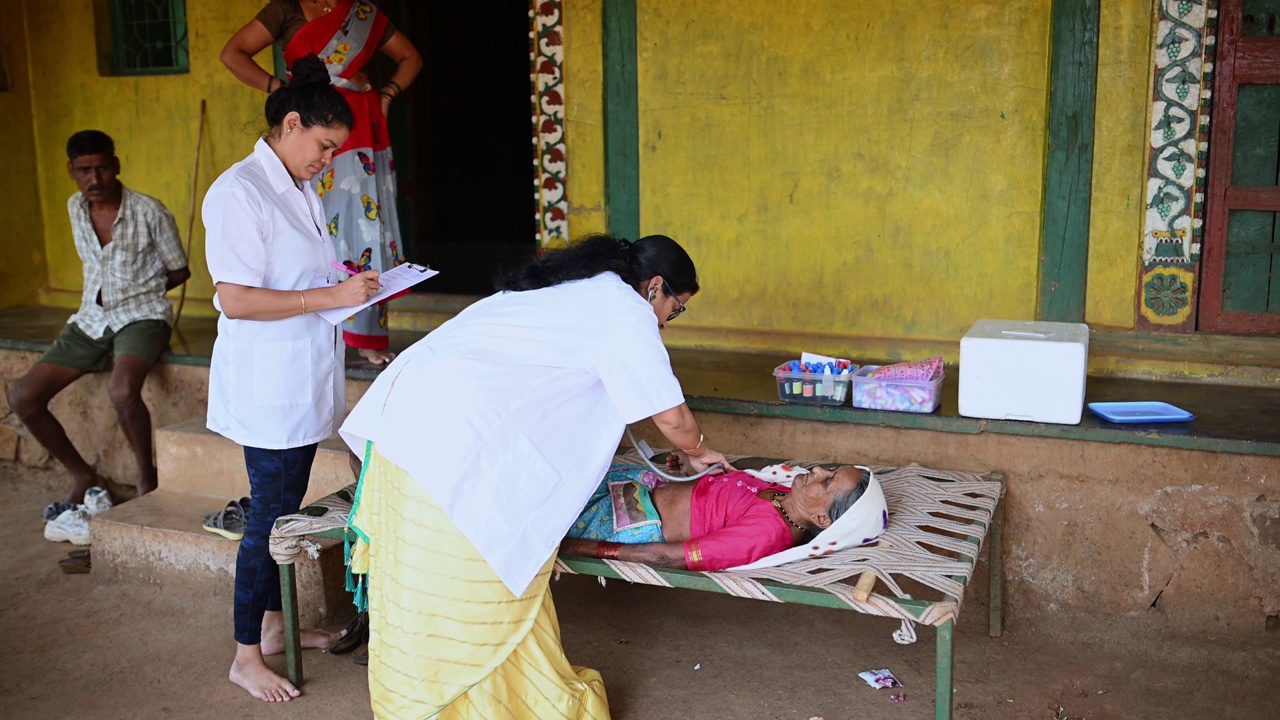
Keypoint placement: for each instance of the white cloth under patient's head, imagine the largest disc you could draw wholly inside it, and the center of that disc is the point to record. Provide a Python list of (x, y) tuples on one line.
[(859, 525)]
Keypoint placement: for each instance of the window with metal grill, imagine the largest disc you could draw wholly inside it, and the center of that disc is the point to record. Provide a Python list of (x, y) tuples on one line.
[(148, 37)]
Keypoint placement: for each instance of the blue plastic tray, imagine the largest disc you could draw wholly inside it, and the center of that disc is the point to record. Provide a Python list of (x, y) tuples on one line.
[(1140, 412)]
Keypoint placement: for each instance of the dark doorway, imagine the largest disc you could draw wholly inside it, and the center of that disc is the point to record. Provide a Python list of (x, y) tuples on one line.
[(462, 141)]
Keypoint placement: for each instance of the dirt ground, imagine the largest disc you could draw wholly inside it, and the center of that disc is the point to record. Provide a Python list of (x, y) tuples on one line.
[(82, 649)]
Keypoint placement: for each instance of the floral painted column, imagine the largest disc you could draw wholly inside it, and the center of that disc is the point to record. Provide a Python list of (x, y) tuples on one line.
[(546, 58), (1173, 228)]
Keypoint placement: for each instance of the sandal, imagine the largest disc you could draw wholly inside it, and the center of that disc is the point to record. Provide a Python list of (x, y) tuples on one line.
[(357, 634), (76, 562), (229, 522)]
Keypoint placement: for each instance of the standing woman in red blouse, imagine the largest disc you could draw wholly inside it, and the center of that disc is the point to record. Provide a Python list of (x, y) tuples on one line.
[(358, 190)]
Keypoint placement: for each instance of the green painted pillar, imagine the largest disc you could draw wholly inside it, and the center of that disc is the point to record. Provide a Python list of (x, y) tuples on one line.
[(621, 119), (1073, 82)]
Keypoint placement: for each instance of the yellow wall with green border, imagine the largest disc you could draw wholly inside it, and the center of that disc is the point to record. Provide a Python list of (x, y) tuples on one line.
[(865, 175), (1119, 161), (859, 177), (153, 118), (837, 170), (22, 241)]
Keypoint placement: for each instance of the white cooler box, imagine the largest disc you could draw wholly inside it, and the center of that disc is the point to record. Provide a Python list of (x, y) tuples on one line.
[(1017, 370)]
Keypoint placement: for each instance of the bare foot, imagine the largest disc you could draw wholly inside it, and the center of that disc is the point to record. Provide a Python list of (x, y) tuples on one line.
[(252, 674), (273, 642)]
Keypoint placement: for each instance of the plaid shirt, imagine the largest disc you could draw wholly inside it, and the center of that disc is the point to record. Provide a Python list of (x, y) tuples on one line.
[(132, 269)]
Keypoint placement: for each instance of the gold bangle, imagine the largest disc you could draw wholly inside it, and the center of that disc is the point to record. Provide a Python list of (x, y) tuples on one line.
[(303, 294), (701, 437)]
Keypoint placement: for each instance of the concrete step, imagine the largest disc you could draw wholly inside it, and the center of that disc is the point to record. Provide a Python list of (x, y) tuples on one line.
[(157, 539), (194, 460)]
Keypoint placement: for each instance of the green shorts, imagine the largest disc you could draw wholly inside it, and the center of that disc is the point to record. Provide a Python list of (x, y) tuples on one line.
[(144, 339)]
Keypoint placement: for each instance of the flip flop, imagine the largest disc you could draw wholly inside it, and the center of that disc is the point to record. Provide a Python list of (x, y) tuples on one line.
[(76, 562), (357, 634), (361, 658), (229, 522)]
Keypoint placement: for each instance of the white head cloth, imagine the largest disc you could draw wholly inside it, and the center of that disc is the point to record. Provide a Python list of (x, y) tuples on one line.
[(859, 525)]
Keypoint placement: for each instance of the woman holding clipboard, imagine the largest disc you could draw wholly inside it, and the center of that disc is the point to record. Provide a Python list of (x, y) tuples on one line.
[(276, 383)]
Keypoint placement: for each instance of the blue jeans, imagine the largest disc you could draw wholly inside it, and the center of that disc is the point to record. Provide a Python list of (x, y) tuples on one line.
[(277, 482)]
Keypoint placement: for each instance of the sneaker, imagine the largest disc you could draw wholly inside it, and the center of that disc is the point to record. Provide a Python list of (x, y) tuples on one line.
[(96, 500), (228, 522), (54, 509), (71, 526)]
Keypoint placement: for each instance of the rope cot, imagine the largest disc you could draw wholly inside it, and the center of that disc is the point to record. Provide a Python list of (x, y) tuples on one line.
[(937, 522)]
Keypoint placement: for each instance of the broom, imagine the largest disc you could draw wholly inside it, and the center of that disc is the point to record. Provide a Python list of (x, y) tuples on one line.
[(191, 220)]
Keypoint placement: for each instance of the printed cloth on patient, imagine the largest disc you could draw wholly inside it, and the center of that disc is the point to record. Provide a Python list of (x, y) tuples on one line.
[(620, 510)]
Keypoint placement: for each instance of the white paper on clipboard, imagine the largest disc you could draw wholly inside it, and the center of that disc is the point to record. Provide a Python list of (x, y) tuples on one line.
[(395, 280)]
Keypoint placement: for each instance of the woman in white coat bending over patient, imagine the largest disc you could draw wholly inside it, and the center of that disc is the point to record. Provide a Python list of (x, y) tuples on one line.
[(482, 443), (276, 384)]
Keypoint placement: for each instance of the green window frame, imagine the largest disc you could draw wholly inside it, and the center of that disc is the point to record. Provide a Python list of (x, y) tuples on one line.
[(148, 37)]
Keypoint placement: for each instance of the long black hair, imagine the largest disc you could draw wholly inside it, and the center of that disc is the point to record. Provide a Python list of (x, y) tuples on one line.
[(634, 262), (311, 96)]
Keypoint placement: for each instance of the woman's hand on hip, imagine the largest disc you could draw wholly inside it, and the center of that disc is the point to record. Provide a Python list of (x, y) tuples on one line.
[(357, 289)]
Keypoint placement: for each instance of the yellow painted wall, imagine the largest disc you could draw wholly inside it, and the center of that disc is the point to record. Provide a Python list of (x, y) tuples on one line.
[(869, 169), (584, 117), (154, 120), (860, 177), (22, 241), (1119, 161)]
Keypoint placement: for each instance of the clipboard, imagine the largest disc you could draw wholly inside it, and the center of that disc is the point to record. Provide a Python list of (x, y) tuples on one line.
[(394, 281)]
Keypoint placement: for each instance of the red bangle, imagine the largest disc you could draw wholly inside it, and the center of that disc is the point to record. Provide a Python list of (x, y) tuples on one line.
[(606, 550)]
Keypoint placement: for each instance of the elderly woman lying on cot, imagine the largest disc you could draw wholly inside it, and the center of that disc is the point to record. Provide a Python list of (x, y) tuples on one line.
[(746, 517)]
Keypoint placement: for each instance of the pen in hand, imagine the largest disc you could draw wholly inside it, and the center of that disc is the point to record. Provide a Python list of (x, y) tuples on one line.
[(343, 268), (349, 271)]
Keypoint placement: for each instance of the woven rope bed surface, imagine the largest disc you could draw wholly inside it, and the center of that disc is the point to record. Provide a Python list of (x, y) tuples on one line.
[(938, 520), (329, 513)]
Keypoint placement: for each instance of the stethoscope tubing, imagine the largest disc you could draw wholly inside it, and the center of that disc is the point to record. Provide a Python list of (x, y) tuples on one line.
[(662, 473)]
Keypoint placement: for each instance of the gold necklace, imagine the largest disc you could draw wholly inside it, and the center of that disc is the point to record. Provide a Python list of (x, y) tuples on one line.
[(776, 503), (325, 8)]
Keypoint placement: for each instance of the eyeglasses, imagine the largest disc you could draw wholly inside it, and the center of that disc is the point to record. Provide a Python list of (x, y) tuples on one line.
[(679, 305)]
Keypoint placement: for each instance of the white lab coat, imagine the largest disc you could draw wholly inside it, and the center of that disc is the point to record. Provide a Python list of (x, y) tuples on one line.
[(272, 384), (508, 414)]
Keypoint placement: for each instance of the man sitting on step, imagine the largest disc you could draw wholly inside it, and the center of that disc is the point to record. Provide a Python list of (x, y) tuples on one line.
[(129, 245)]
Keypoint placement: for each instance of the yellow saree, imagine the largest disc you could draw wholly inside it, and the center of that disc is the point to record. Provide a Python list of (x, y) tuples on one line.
[(447, 638)]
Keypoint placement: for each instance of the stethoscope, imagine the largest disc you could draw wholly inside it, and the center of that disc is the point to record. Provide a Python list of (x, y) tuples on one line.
[(641, 451)]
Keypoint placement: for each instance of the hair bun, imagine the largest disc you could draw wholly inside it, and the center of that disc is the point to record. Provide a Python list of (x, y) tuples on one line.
[(309, 70)]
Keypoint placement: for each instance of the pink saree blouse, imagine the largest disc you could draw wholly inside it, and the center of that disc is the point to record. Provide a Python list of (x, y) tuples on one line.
[(731, 525)]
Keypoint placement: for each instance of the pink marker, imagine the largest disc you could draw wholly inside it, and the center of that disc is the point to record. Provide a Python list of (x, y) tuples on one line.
[(343, 268)]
